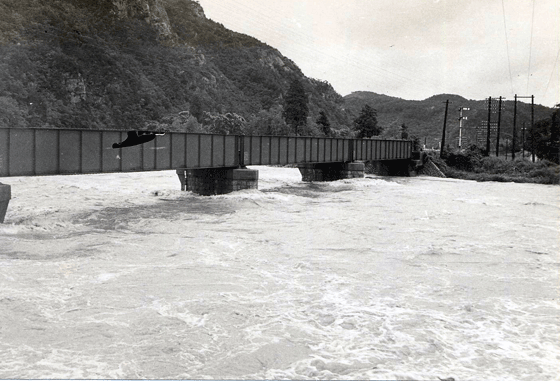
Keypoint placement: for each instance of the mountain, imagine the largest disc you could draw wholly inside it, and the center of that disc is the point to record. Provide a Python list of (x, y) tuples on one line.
[(104, 64), (424, 119)]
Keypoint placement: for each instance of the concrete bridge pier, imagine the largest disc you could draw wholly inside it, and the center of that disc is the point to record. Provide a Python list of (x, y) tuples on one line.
[(5, 196), (331, 171), (213, 181)]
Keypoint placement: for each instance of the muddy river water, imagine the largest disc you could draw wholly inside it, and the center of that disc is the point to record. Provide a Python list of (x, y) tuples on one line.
[(125, 276)]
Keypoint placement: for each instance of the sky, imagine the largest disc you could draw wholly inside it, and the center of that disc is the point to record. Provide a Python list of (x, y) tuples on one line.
[(411, 49)]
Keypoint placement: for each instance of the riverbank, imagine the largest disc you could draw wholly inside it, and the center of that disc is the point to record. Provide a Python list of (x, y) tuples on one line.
[(468, 166)]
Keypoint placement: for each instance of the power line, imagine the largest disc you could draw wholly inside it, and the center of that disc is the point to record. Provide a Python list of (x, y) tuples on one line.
[(531, 45), (552, 72), (297, 39), (507, 46), (305, 42)]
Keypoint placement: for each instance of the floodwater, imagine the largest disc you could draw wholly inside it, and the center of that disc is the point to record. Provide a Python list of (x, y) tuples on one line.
[(125, 276)]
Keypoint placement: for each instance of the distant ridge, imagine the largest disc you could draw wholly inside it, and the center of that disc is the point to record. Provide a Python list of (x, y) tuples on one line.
[(424, 118)]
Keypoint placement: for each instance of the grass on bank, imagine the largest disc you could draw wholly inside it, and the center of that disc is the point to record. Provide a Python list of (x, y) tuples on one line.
[(473, 166)]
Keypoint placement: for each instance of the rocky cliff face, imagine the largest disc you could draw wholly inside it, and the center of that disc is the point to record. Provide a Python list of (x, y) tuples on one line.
[(153, 11), (272, 59), (197, 9), (92, 65)]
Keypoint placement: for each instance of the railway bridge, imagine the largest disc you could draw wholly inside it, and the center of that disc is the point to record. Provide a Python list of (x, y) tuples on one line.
[(206, 164)]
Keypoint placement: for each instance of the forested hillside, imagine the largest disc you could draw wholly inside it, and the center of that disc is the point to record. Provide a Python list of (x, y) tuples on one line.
[(144, 64), (424, 119)]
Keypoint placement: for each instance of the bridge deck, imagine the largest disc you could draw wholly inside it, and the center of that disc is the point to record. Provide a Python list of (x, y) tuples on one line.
[(38, 151)]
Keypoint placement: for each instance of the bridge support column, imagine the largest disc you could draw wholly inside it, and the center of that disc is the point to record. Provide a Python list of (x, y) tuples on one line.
[(213, 181), (330, 171), (5, 196), (182, 174)]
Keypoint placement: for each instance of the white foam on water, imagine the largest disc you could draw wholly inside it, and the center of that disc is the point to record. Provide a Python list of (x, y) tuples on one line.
[(128, 277)]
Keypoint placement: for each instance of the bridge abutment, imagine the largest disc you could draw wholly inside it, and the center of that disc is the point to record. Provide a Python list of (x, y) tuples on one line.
[(390, 167), (330, 171), (213, 181), (5, 196)]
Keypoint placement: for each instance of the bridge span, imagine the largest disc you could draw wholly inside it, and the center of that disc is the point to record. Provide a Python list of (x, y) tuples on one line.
[(205, 163)]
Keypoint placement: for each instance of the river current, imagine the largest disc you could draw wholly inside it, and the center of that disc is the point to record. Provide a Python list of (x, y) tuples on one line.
[(125, 276)]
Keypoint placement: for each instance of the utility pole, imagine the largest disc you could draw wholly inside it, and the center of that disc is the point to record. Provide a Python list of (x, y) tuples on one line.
[(444, 126), (532, 126), (514, 128), (498, 131), (488, 129), (461, 117), (523, 142)]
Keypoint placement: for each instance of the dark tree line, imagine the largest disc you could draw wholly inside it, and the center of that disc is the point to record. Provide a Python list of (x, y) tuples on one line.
[(545, 138)]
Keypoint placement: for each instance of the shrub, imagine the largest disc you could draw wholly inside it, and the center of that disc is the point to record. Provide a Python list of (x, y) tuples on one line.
[(466, 160), (471, 165)]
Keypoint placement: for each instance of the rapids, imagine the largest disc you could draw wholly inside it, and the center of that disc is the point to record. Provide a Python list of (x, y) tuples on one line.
[(125, 276)]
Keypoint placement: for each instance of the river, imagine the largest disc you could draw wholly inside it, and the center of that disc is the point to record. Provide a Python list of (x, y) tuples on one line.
[(125, 276)]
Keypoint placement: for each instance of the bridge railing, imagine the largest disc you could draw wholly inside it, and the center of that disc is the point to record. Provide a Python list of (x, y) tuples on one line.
[(377, 149), (39, 151), (265, 150)]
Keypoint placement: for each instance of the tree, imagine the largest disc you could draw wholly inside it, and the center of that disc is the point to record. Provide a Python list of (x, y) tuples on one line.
[(404, 131), (226, 124), (392, 131), (268, 122), (11, 115), (546, 137), (323, 123), (296, 106), (366, 123)]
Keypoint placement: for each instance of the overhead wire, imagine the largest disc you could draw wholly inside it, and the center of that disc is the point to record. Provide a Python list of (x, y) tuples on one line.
[(300, 36), (531, 46), (507, 46), (296, 37), (301, 39), (552, 73)]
